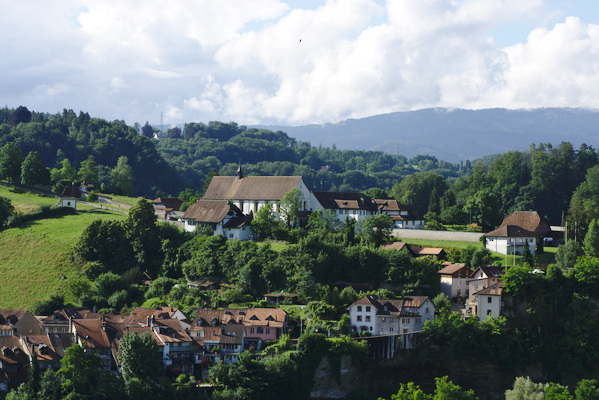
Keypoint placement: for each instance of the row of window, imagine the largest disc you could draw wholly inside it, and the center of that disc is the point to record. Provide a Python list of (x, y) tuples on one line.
[(260, 330), (367, 308)]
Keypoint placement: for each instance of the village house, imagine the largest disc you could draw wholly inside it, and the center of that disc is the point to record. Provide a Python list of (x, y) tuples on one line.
[(454, 280), (222, 216), (260, 324), (14, 363), (488, 302), (18, 322), (517, 229), (92, 333), (70, 196), (346, 204), (390, 317), (49, 348), (402, 218), (167, 207), (480, 279), (280, 297)]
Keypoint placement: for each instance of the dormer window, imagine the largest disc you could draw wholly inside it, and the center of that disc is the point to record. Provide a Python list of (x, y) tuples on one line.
[(254, 318), (270, 318)]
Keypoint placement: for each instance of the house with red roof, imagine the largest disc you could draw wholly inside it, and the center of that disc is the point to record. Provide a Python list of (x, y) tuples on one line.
[(454, 280), (517, 229), (402, 218), (222, 216)]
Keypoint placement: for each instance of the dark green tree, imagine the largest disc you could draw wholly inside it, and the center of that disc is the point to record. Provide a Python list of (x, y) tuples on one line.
[(21, 115), (6, 210), (88, 172), (147, 131), (590, 245), (290, 205), (567, 254), (79, 371), (139, 357), (121, 177), (33, 171), (11, 159), (375, 229)]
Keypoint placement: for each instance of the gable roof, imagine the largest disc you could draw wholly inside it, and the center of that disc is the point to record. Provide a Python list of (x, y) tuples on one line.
[(493, 290), (71, 192), (91, 331), (169, 202), (272, 317), (428, 251), (387, 205), (530, 221), (345, 201), (397, 246), (210, 211), (490, 271), (453, 268), (508, 231), (9, 317), (258, 188)]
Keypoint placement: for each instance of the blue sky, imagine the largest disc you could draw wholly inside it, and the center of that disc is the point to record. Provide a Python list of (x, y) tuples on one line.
[(241, 60)]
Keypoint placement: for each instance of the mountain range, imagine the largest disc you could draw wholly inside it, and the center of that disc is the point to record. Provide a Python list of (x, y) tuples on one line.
[(454, 134)]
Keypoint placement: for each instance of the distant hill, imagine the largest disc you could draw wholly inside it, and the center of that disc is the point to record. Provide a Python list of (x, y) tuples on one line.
[(454, 134)]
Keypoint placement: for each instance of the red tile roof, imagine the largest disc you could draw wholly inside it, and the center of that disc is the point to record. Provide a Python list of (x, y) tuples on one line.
[(257, 188)]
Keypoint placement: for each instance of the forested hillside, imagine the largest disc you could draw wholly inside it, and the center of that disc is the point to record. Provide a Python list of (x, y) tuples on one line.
[(75, 137), (544, 178)]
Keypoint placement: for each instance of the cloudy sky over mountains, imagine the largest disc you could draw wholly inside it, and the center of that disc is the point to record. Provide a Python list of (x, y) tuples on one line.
[(295, 62)]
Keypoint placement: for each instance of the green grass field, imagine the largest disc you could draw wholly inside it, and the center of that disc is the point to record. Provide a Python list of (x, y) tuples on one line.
[(35, 257), (25, 201)]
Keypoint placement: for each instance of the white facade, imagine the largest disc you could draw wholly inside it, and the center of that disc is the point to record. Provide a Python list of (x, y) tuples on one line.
[(488, 306), (363, 317), (508, 245), (69, 202)]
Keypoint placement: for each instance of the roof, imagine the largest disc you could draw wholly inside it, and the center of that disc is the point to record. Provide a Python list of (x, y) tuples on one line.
[(530, 221), (42, 346), (345, 201), (264, 188), (210, 211), (508, 231), (490, 271), (453, 268), (11, 351), (9, 317), (169, 202), (272, 317), (71, 192), (410, 217), (396, 246), (139, 316), (492, 290), (387, 205), (282, 293), (414, 301), (170, 331), (92, 333), (427, 251), (393, 306), (235, 222)]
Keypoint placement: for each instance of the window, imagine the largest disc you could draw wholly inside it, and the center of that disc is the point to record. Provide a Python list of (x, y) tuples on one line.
[(359, 308), (391, 329), (368, 318), (390, 320), (260, 330), (359, 318), (489, 299), (382, 331), (267, 330), (383, 319), (251, 330), (488, 312), (367, 308)]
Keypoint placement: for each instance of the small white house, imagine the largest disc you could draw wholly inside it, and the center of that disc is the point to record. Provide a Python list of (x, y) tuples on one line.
[(488, 301), (69, 197), (511, 239), (454, 280)]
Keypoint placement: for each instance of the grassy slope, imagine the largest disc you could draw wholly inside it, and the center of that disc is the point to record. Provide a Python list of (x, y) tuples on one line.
[(34, 258)]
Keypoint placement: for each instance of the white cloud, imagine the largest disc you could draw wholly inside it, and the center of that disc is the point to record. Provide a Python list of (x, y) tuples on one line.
[(242, 60)]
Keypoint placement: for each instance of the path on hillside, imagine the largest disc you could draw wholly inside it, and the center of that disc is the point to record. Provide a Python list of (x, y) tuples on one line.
[(437, 235)]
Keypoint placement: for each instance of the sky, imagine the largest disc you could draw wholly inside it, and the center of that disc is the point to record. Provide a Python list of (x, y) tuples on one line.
[(295, 62)]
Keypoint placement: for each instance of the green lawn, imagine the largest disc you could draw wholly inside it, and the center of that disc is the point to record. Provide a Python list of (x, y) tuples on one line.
[(25, 201), (446, 244), (31, 267), (67, 229), (35, 257)]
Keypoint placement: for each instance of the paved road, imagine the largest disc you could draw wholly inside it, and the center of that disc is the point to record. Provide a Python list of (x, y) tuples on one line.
[(436, 235)]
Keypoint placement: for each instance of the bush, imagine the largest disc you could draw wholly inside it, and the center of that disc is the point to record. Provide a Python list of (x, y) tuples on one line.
[(93, 269)]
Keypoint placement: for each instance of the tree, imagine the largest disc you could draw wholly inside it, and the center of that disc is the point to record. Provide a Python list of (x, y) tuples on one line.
[(121, 177), (6, 210), (527, 255), (484, 209), (139, 357), (79, 370), (264, 221), (142, 232), (147, 131), (21, 114), (67, 172), (11, 159), (290, 205), (33, 171), (375, 229), (88, 172), (526, 389), (567, 254), (590, 245)]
